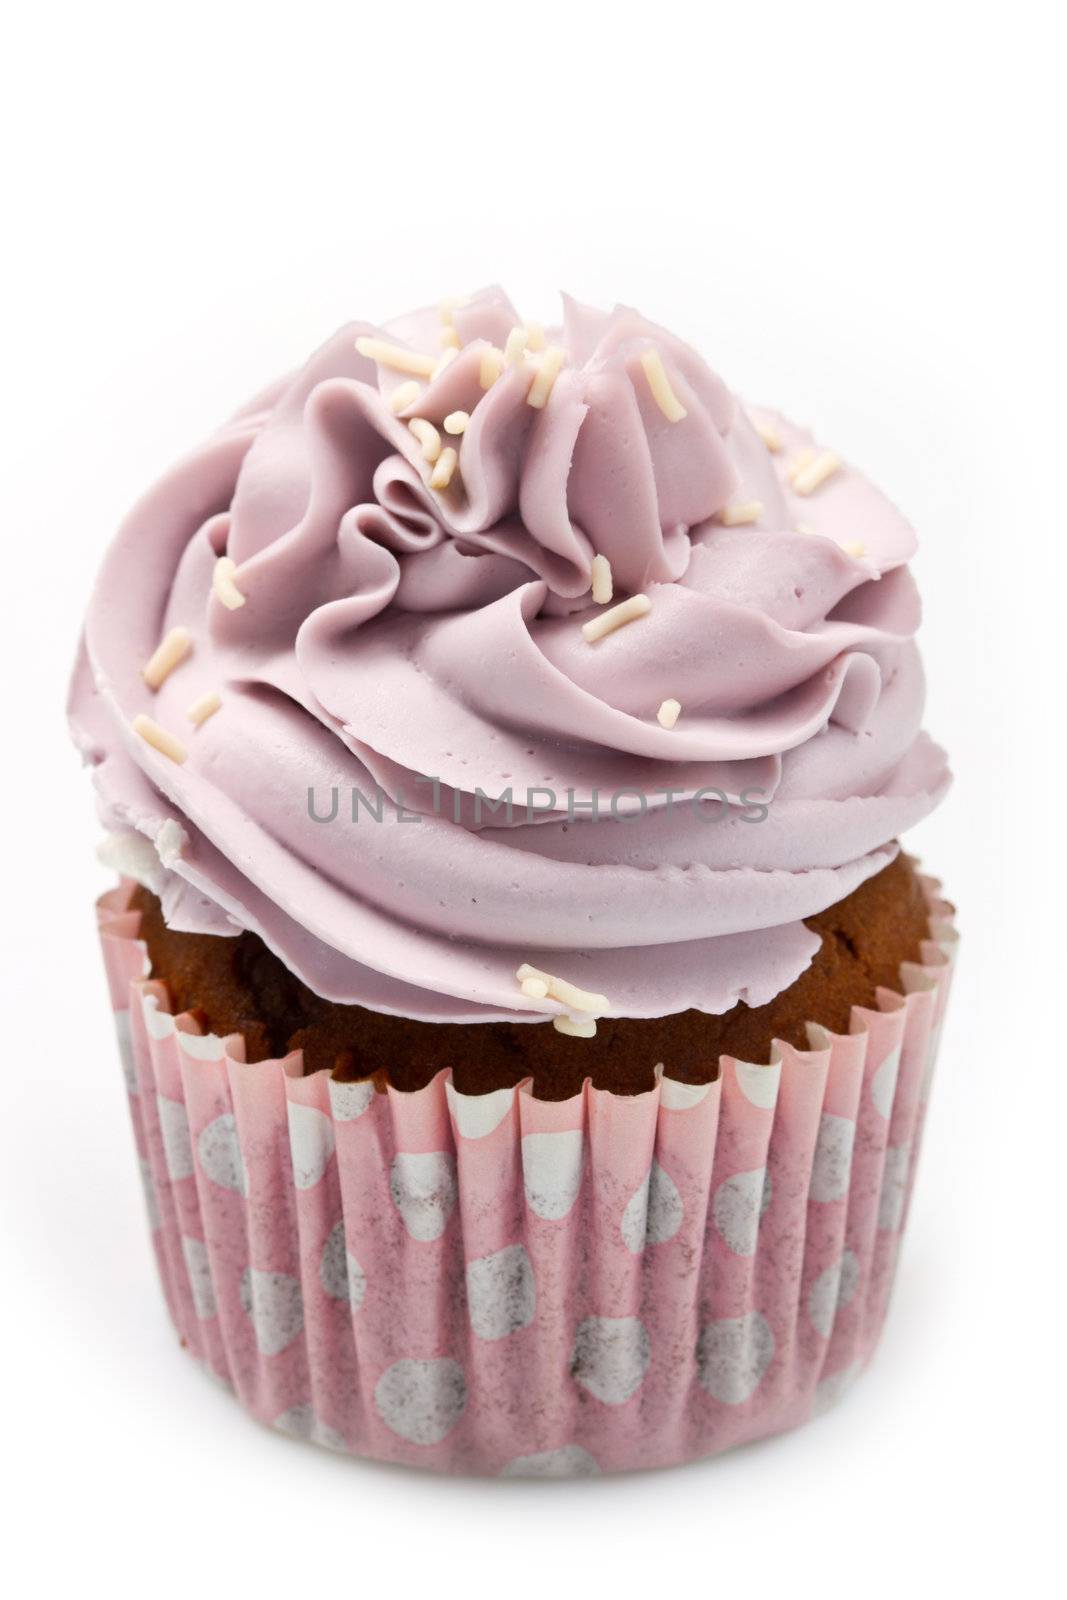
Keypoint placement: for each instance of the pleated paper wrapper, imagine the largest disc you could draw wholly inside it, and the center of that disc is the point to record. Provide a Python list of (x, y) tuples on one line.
[(498, 1284)]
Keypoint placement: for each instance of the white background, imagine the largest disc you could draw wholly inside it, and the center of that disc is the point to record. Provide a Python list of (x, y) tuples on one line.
[(853, 212)]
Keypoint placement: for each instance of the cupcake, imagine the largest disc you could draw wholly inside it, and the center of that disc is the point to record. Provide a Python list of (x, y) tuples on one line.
[(504, 738)]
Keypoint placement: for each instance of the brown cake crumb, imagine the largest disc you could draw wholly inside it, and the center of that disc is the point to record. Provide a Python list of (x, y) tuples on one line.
[(239, 986)]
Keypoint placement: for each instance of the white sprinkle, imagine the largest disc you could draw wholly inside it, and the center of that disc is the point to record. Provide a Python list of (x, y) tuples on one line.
[(203, 708), (223, 585), (403, 395), (803, 527), (448, 355), (535, 336), (808, 478), (536, 988), (603, 583), (441, 476), (668, 713), (568, 994), (855, 548), (174, 648), (428, 437), (769, 434), (800, 460), (457, 421), (491, 366), (159, 738), (546, 375), (449, 338), (638, 605), (574, 1029), (449, 306), (734, 516), (396, 357), (660, 384), (515, 347)]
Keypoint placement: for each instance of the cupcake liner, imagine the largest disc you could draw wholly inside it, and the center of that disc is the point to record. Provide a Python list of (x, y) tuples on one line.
[(499, 1284)]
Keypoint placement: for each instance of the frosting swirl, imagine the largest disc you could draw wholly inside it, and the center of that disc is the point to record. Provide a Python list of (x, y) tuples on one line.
[(406, 627)]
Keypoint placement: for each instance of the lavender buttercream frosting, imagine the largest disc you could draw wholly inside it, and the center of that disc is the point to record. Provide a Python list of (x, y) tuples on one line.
[(410, 643)]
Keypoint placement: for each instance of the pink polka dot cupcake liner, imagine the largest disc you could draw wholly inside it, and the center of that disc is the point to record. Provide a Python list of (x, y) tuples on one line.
[(502, 1285)]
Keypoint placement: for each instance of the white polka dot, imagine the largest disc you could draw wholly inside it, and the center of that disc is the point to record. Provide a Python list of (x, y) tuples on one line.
[(733, 1355), (177, 1144), (894, 1186), (884, 1083), (424, 1192), (655, 1210), (300, 1422), (340, 1274), (568, 1461), (219, 1154), (611, 1356), (158, 1024), (501, 1293), (125, 1038), (834, 1287), (275, 1305), (200, 1046), (738, 1205), (831, 1389), (675, 1096), (151, 1199), (357, 1282), (831, 1165), (477, 1115), (421, 1401), (552, 1172), (199, 1269), (348, 1101), (759, 1085), (311, 1143)]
